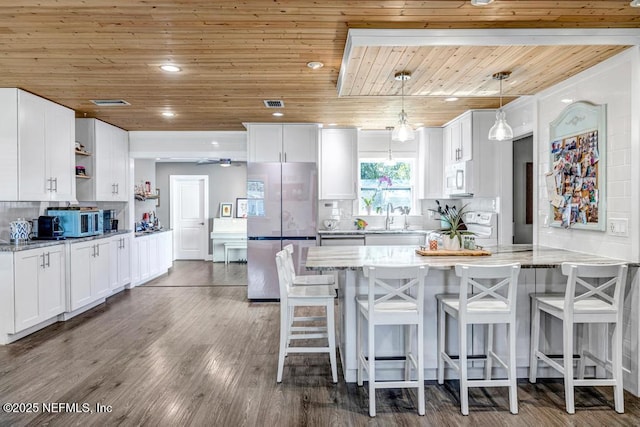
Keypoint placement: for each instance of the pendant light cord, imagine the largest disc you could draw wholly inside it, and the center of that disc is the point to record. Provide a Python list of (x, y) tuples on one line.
[(402, 92)]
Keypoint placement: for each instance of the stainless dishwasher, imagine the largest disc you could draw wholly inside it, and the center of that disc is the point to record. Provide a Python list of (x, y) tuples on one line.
[(342, 239)]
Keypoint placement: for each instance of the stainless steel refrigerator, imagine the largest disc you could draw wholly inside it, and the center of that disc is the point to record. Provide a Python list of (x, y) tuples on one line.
[(282, 209)]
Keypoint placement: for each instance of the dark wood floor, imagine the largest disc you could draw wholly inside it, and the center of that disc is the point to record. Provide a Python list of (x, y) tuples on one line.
[(198, 273), (203, 356)]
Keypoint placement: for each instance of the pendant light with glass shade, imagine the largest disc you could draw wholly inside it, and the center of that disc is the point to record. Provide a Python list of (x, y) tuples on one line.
[(389, 160), (501, 131), (403, 131)]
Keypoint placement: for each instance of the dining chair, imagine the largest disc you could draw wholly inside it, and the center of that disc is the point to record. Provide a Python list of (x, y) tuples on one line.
[(594, 295), (395, 296), (295, 329), (487, 296)]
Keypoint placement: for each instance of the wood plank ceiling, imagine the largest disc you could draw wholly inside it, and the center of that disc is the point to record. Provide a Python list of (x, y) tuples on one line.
[(236, 53)]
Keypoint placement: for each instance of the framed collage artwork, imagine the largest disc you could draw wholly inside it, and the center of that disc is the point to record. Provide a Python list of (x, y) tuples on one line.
[(576, 184)]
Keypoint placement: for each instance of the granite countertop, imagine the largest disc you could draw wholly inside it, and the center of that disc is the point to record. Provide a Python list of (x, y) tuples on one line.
[(35, 244), (146, 233), (354, 257), (372, 230)]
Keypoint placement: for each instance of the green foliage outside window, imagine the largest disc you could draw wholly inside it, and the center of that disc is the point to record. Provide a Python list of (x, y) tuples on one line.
[(383, 184)]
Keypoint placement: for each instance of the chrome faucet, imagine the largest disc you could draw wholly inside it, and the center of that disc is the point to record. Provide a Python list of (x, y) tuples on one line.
[(388, 220)]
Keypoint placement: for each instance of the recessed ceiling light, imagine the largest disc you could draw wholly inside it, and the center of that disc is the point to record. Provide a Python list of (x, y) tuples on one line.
[(278, 114), (170, 68), (315, 65), (332, 124), (451, 99), (481, 2), (168, 114), (566, 100), (215, 143)]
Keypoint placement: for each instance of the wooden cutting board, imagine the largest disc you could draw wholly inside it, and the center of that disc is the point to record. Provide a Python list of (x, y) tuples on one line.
[(462, 252)]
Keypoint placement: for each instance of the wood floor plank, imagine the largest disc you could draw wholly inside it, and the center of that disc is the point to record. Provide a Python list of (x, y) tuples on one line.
[(204, 356)]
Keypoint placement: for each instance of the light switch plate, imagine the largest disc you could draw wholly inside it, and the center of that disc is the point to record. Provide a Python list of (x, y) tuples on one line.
[(618, 226)]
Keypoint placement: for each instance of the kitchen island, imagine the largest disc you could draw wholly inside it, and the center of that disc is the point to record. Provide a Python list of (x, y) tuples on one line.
[(540, 273)]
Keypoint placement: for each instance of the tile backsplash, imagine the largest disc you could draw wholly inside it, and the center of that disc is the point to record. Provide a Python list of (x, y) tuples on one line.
[(10, 211), (326, 208)]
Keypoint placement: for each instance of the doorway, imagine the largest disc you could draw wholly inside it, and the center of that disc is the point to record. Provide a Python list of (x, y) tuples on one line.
[(523, 176), (189, 195)]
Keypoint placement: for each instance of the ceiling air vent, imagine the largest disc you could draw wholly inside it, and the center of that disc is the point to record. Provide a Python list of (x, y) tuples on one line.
[(110, 102), (273, 103)]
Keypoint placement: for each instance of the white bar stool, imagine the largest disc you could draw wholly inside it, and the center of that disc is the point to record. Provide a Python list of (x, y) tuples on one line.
[(481, 301), (389, 303), (586, 300), (304, 296), (307, 279)]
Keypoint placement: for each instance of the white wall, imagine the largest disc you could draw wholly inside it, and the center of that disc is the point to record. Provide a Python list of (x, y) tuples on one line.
[(614, 83), (179, 145), (225, 186), (521, 116)]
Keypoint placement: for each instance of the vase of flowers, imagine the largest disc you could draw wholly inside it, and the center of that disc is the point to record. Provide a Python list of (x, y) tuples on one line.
[(453, 226)]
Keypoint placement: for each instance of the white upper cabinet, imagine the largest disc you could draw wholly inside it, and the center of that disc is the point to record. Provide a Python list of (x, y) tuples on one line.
[(458, 139), (338, 164), (36, 140), (292, 143), (430, 154), (466, 140), (108, 166), (300, 143), (486, 161)]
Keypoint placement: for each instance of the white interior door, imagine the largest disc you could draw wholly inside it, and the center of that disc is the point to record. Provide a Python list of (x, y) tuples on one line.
[(189, 213)]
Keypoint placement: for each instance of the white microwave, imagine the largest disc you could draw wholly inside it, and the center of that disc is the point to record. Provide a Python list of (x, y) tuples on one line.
[(457, 179)]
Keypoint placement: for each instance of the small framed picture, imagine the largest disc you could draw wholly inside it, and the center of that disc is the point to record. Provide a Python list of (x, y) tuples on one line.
[(226, 210), (242, 208)]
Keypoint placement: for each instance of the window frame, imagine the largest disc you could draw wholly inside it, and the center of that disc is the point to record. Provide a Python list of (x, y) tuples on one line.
[(375, 157)]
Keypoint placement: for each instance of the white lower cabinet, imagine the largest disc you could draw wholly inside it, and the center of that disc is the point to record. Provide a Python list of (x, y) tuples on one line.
[(120, 260), (41, 286), (89, 273), (151, 256), (38, 286), (395, 239)]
